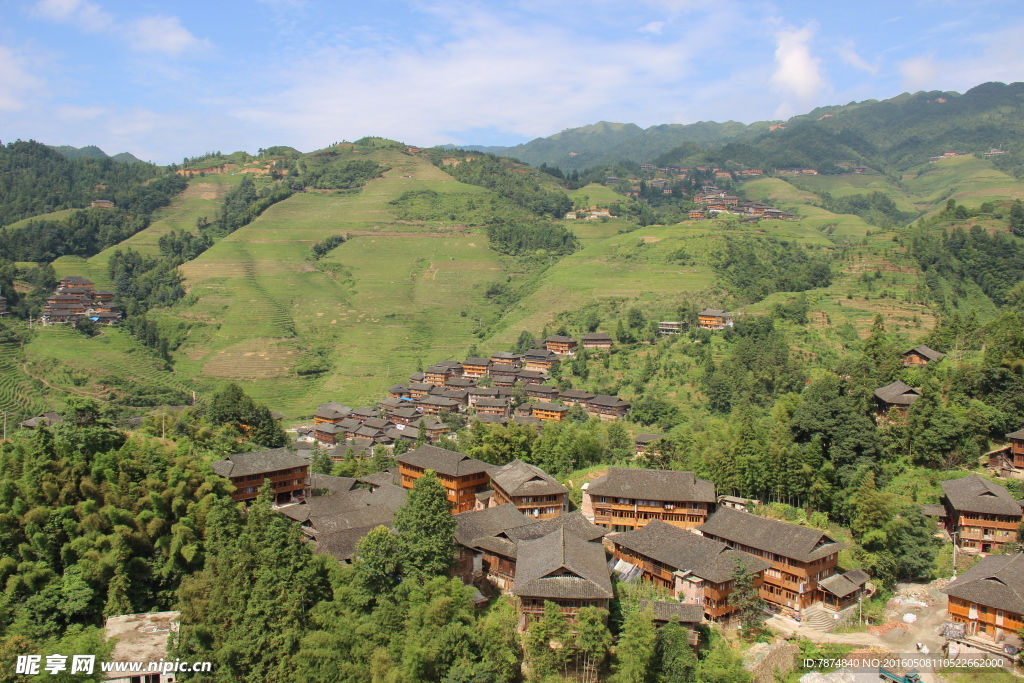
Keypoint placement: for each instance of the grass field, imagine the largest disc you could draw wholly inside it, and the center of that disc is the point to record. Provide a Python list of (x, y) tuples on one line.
[(399, 295), (52, 216)]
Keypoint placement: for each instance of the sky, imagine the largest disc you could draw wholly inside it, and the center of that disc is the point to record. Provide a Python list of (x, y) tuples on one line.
[(165, 80)]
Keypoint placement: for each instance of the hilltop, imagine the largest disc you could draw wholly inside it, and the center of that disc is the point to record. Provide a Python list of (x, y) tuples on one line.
[(94, 152)]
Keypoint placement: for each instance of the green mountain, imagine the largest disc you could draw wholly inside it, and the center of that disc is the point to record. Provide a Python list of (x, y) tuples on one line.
[(891, 135), (605, 143), (94, 152)]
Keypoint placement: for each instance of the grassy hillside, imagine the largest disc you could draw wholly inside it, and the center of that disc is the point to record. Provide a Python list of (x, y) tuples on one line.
[(415, 281)]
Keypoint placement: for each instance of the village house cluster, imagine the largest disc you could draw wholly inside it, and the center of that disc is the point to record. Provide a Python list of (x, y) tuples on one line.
[(516, 531), (487, 389), (76, 299), (715, 201)]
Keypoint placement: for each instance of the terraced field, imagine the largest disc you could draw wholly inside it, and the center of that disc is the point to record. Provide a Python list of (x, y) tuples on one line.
[(100, 367), (19, 395)]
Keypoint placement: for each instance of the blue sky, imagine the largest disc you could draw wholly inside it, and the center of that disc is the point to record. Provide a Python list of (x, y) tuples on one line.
[(164, 80)]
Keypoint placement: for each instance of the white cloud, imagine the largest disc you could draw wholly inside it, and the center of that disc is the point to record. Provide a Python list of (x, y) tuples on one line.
[(797, 72), (70, 113), (653, 27), (848, 53), (15, 81), (995, 56), (160, 34), (87, 15), (163, 34)]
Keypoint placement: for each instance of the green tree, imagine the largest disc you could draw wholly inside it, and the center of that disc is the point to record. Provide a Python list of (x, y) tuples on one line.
[(321, 462), (592, 639), (525, 342), (746, 598), (636, 649), (545, 660), (426, 527), (677, 662), (377, 562)]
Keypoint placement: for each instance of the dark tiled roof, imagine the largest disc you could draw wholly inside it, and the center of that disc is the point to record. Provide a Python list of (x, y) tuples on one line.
[(553, 407), (789, 540), (328, 428), (477, 361), (647, 438), (1019, 434), (542, 354), (440, 401), (559, 338), (542, 389), (334, 405), (933, 510), (492, 403), (531, 374), (398, 389), (483, 391), (574, 523), (406, 412), (597, 336), (504, 370), (577, 394), (330, 483), (341, 544), (527, 420), (561, 565), (674, 611), (611, 401), (974, 494), (416, 377), (76, 279), (664, 485), (686, 551), (245, 464), (365, 412), (930, 354), (507, 355), (443, 461), (996, 581), (713, 312), (492, 419), (521, 479), (375, 423), (898, 393), (478, 524), (391, 476), (461, 382)]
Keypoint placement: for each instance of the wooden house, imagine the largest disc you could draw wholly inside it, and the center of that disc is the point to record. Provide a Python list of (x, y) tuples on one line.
[(560, 344), (102, 295), (462, 476), (689, 617), (475, 368), (45, 420), (549, 411), (390, 405), (406, 415), (399, 391), (418, 390), (435, 405), (288, 474), (363, 414), (327, 432), (332, 413), (671, 327), (434, 429), (101, 204), (564, 569), (533, 491), (714, 319), (596, 341), (642, 443), (989, 597), (540, 360), (575, 396), (697, 570), (488, 526), (438, 374), (497, 407), (507, 358), (477, 393), (696, 215), (541, 391), (840, 591), (801, 557), (75, 283), (503, 374), (460, 383), (1009, 460), (531, 377), (626, 499), (982, 515), (896, 396), (920, 356), (607, 407)]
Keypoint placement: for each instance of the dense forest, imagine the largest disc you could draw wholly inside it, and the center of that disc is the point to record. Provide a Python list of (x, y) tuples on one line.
[(36, 179)]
